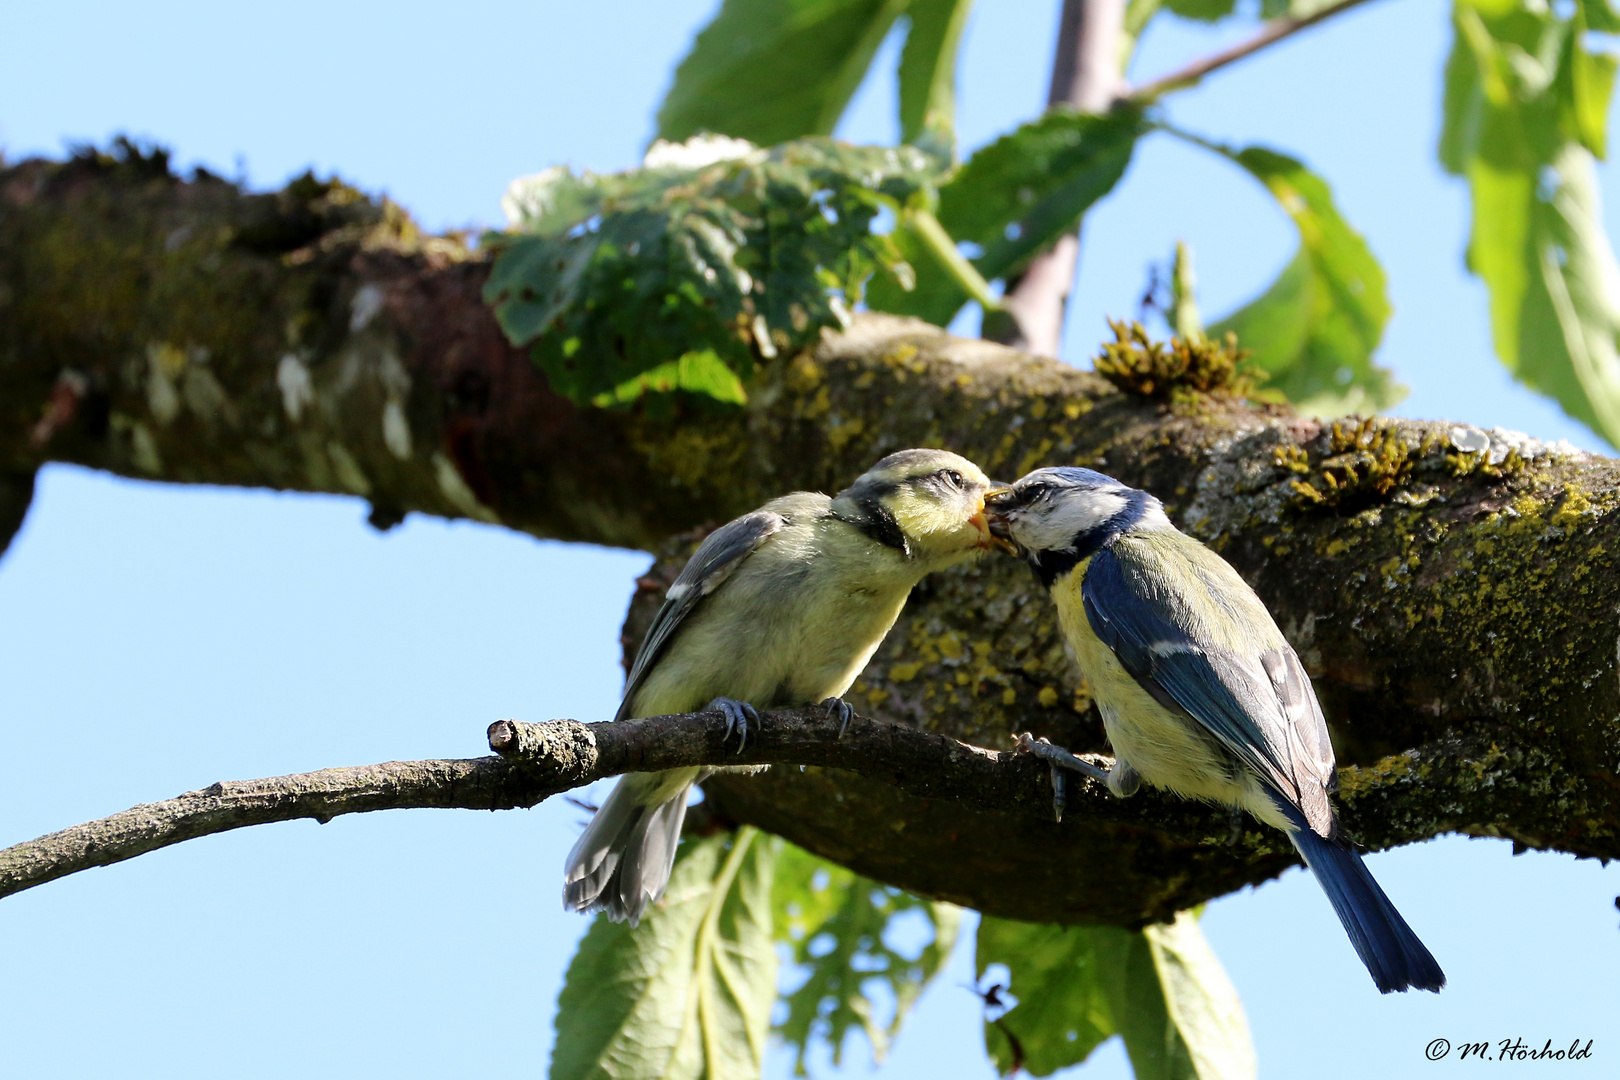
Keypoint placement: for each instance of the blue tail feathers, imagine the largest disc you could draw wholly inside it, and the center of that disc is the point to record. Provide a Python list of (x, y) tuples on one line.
[(1394, 956)]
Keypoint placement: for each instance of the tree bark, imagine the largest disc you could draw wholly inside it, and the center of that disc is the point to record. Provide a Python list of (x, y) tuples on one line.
[(1452, 592), (16, 494)]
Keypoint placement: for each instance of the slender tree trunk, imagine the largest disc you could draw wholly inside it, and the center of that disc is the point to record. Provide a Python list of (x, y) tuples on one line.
[(1085, 75)]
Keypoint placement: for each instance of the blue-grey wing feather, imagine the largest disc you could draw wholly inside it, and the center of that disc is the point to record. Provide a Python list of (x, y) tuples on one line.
[(1261, 708), (721, 552)]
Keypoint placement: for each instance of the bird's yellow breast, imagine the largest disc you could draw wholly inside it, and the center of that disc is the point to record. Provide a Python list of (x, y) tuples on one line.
[(1167, 748)]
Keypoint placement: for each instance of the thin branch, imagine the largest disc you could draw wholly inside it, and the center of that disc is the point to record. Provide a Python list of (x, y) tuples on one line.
[(538, 761), (478, 784), (541, 760), (1274, 31)]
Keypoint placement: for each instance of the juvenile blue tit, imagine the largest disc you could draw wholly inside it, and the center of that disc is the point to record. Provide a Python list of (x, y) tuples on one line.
[(781, 607), (1198, 689)]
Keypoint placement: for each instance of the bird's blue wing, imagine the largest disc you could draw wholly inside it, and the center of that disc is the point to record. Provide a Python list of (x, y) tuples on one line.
[(721, 552), (1184, 642)]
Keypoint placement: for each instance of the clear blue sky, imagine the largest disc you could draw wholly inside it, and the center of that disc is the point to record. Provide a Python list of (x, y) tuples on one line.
[(156, 639)]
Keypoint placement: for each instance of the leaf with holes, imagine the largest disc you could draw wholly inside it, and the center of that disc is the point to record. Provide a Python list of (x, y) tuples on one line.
[(686, 273), (1161, 989), (688, 993), (840, 927)]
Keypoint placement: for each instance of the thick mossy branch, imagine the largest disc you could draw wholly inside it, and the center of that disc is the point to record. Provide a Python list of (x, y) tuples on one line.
[(1445, 586)]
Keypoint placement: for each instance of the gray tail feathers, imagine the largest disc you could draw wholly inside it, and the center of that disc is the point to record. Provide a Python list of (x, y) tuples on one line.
[(623, 859), (1394, 956)]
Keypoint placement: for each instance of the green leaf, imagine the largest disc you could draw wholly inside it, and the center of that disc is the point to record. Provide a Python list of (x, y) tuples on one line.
[(689, 992), (1315, 329), (1160, 989), (1600, 16), (683, 274), (1016, 196), (701, 373), (1584, 83), (1555, 284), (1201, 10), (1011, 200), (1295, 9), (929, 290), (1138, 13), (928, 74), (1203, 1006), (835, 920), (774, 70), (1066, 980), (1526, 107)]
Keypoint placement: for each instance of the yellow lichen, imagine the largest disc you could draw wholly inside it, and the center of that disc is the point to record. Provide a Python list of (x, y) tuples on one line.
[(1172, 370), (1364, 461), (803, 374), (901, 673)]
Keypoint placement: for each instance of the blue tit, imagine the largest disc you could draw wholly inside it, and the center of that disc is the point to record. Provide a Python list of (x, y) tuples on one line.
[(1199, 691), (781, 607)]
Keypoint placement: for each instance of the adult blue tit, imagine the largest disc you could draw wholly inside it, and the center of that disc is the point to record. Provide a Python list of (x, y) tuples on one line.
[(1198, 689), (781, 607)]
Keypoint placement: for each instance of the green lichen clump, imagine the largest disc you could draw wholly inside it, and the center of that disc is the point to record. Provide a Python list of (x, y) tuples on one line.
[(1177, 369), (1464, 463), (1365, 462)]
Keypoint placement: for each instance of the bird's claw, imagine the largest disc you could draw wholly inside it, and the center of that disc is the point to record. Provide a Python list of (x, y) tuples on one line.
[(843, 710), (1060, 791), (1059, 760), (738, 714)]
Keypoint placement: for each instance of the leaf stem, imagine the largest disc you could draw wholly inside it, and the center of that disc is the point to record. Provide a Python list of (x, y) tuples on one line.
[(943, 248), (1274, 31), (702, 1004)]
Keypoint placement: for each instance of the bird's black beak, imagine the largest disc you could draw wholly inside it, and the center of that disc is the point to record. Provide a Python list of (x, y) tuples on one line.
[(997, 501)]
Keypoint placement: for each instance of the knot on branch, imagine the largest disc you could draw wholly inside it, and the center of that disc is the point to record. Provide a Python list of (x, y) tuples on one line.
[(567, 748)]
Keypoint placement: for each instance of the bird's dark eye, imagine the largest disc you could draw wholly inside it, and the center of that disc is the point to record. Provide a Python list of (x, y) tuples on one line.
[(955, 478), (1037, 492)]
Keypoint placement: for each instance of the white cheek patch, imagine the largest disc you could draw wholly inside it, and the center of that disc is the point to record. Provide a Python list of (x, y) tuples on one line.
[(1053, 526), (1153, 517)]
